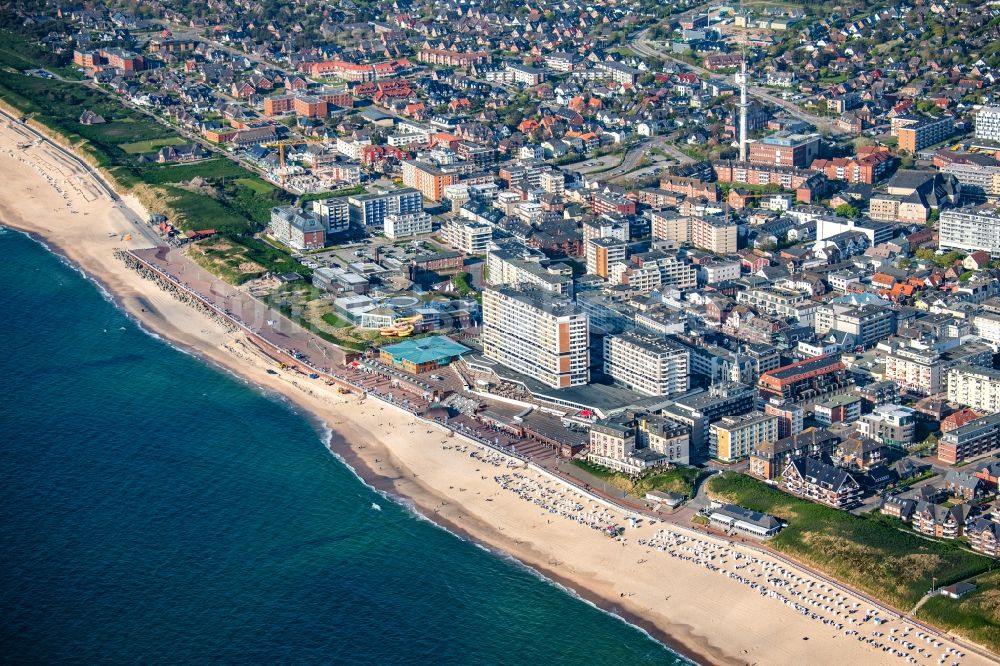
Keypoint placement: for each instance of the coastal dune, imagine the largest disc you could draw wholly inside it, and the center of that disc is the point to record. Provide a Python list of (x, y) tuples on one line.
[(700, 595)]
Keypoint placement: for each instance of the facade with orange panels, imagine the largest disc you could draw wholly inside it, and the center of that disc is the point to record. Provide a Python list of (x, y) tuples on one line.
[(538, 334), (427, 178)]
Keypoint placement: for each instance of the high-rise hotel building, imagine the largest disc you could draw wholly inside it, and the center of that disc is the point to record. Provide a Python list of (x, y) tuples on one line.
[(647, 365), (537, 333)]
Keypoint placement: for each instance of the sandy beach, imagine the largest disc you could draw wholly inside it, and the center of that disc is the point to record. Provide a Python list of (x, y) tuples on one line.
[(714, 601)]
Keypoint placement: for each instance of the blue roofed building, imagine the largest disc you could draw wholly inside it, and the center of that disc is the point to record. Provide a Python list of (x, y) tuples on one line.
[(423, 355)]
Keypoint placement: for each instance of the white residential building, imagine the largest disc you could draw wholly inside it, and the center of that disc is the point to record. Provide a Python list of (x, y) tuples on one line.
[(537, 333), (401, 225), (988, 123), (647, 365), (970, 229), (335, 214), (553, 182), (602, 254), (975, 386), (916, 370), (467, 236)]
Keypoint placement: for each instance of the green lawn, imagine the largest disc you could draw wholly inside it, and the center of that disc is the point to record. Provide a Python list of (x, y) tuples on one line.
[(461, 283), (872, 552), (598, 471), (345, 192), (151, 145), (126, 131), (335, 321), (258, 185), (677, 480), (976, 616), (19, 53), (217, 167), (200, 211)]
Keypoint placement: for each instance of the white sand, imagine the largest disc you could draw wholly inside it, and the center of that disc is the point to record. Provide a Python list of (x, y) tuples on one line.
[(705, 613)]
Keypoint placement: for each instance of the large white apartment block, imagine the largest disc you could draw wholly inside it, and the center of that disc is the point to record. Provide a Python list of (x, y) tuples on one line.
[(350, 147), (508, 269), (987, 327), (604, 227), (915, 370), (980, 182), (773, 300), (537, 333), (401, 225), (467, 236), (646, 365), (369, 210), (866, 324), (988, 123), (975, 386), (970, 229), (335, 214)]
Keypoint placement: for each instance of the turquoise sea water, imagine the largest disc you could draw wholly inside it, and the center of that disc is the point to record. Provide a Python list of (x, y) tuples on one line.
[(157, 510)]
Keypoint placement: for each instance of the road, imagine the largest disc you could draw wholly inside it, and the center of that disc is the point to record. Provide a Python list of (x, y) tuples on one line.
[(642, 45)]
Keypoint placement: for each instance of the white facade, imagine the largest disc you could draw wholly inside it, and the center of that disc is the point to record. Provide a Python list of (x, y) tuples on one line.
[(602, 254), (914, 369), (646, 365), (988, 123), (334, 213), (401, 225), (468, 237), (970, 229), (987, 327), (553, 182), (975, 387), (505, 269), (537, 333)]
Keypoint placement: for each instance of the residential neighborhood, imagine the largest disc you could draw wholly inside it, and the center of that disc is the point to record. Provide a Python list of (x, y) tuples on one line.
[(736, 266)]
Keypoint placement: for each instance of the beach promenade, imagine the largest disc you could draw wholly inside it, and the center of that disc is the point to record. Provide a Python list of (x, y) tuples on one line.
[(715, 600)]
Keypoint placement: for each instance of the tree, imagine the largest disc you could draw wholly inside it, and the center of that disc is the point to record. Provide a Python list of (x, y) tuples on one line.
[(513, 117), (847, 210)]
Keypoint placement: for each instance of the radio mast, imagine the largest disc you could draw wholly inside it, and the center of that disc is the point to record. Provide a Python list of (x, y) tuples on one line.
[(744, 105)]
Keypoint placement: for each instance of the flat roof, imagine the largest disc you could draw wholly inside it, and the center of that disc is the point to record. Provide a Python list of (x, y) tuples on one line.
[(426, 350), (802, 367), (840, 401)]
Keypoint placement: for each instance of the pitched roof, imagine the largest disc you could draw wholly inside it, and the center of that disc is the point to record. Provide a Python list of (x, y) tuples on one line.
[(821, 474)]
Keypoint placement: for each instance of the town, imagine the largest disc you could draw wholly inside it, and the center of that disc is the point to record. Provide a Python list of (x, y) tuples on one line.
[(736, 267)]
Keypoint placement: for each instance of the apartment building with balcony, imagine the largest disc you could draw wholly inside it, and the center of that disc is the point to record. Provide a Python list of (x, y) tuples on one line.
[(818, 481), (537, 333), (648, 365)]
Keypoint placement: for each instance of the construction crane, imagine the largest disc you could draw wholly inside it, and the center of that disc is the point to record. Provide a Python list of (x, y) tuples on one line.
[(280, 145)]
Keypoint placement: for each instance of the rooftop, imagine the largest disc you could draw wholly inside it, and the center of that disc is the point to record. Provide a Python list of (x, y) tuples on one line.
[(426, 350)]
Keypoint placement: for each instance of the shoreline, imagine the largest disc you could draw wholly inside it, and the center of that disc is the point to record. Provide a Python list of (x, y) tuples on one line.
[(699, 626), (382, 485), (336, 443)]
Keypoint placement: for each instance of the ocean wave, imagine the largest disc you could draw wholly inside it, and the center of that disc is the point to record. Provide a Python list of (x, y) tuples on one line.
[(326, 435), (411, 508)]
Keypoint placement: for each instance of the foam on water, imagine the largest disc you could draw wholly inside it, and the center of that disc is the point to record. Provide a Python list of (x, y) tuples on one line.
[(196, 521)]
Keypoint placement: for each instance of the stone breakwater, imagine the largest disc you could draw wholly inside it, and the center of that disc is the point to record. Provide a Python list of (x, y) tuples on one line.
[(179, 292)]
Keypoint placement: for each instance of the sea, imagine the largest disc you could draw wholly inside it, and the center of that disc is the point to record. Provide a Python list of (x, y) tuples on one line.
[(158, 510)]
